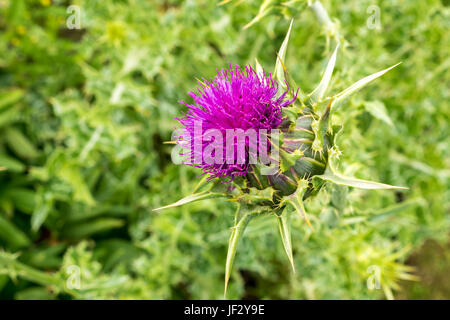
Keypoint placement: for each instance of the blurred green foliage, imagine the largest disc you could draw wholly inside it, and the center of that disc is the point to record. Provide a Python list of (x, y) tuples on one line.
[(84, 114)]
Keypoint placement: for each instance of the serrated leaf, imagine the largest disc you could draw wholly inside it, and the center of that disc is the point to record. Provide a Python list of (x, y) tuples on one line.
[(285, 234), (236, 234), (320, 90), (340, 97), (278, 73)]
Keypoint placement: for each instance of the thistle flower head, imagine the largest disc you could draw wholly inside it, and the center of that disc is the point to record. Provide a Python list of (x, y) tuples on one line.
[(237, 99), (234, 99)]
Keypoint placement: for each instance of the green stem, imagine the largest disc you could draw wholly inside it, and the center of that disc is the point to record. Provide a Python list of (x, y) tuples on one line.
[(322, 14)]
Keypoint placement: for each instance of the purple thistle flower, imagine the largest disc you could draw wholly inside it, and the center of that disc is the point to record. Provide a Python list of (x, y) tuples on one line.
[(234, 99)]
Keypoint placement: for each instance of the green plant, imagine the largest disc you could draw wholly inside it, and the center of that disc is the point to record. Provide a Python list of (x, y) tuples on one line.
[(95, 106), (307, 150)]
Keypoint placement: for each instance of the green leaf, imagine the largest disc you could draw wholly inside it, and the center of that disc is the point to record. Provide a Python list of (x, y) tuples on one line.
[(378, 110), (278, 73), (40, 214), (340, 97), (8, 98), (236, 234), (191, 198), (18, 142), (71, 173), (286, 237), (86, 229), (11, 164), (12, 235), (320, 90), (9, 116), (23, 199), (258, 68)]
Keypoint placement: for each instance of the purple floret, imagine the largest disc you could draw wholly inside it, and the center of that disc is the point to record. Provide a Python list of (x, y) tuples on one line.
[(234, 99)]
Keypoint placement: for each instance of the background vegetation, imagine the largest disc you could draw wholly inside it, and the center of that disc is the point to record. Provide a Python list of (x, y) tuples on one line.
[(84, 114)]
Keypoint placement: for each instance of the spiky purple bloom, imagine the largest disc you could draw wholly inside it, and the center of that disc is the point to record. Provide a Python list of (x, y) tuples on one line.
[(234, 99)]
